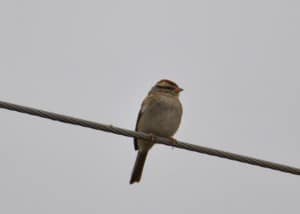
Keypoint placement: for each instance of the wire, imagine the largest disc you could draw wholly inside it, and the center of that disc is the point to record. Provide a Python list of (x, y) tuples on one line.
[(149, 137)]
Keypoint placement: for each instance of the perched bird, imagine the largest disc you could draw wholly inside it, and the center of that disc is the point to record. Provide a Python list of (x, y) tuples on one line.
[(160, 115)]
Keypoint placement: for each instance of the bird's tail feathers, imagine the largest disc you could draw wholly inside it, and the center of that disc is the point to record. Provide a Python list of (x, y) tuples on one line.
[(138, 167)]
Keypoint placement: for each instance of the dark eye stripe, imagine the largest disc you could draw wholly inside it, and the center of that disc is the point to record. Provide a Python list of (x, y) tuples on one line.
[(166, 87)]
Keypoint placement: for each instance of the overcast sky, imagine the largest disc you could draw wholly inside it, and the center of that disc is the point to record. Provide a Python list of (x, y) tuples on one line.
[(238, 62)]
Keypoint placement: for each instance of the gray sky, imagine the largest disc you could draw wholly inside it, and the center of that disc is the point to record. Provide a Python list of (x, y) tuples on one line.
[(238, 62)]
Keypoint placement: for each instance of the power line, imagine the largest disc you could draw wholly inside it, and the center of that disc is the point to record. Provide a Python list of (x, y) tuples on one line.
[(141, 135)]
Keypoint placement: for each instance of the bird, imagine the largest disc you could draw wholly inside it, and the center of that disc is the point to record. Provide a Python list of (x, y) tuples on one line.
[(160, 115)]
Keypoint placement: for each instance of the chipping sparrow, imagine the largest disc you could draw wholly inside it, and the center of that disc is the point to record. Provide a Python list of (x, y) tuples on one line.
[(160, 115)]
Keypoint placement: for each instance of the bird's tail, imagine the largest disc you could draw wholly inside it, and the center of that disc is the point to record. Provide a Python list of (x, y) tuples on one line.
[(138, 167)]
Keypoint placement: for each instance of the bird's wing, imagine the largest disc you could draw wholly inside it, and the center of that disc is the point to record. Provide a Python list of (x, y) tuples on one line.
[(136, 129), (146, 103)]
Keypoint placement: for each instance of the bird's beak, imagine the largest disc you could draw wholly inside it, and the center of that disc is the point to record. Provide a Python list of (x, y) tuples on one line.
[(177, 90)]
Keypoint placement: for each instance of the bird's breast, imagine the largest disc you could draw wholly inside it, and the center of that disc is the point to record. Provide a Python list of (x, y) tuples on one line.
[(162, 117)]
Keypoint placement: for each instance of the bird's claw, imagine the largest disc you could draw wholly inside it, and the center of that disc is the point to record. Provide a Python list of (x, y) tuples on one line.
[(174, 141), (152, 138)]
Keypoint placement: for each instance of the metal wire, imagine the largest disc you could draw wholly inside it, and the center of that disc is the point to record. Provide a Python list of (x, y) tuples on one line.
[(141, 135)]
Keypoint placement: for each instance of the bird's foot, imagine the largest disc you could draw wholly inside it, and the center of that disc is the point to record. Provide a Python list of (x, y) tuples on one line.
[(152, 138), (174, 141)]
